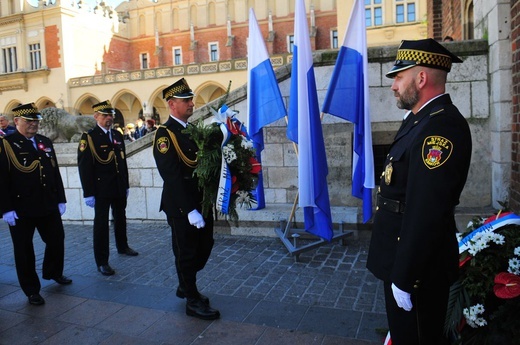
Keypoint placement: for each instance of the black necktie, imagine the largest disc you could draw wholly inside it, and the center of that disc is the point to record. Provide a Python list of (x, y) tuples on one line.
[(109, 136)]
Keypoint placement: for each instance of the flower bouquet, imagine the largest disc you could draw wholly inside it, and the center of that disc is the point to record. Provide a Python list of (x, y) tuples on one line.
[(227, 168), (484, 304)]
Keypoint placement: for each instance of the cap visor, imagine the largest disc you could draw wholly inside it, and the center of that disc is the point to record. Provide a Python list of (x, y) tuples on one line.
[(38, 118), (398, 68), (184, 95)]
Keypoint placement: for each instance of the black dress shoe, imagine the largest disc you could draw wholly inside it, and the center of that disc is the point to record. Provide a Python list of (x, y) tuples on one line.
[(128, 251), (63, 280), (197, 308), (106, 270), (182, 294), (36, 299)]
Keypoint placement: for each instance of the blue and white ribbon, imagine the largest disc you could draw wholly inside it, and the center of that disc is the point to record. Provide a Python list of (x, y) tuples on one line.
[(491, 226), (225, 183)]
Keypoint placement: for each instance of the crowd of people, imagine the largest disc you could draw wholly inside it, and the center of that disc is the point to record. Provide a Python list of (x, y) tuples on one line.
[(413, 253)]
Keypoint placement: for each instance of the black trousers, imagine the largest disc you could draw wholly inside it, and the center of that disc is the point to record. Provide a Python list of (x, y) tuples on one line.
[(191, 248), (101, 227), (52, 234), (424, 324)]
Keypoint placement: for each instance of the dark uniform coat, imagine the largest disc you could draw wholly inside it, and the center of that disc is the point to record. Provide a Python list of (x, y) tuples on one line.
[(180, 194), (33, 189), (102, 164), (426, 169), (30, 192), (413, 242)]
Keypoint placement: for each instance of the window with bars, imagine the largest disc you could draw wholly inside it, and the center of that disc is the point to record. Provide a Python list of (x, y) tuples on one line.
[(35, 55), (144, 60), (334, 39), (290, 44), (10, 60), (177, 56), (213, 51), (373, 13)]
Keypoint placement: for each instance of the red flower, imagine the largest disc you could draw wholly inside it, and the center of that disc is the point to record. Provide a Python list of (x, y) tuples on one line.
[(507, 285), (255, 166)]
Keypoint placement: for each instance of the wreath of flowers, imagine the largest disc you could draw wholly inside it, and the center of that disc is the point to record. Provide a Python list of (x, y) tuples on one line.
[(239, 155), (484, 304)]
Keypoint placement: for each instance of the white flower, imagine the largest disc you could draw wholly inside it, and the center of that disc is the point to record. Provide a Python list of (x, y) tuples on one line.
[(471, 314), (517, 251), (246, 143), (514, 266), (482, 239), (228, 153)]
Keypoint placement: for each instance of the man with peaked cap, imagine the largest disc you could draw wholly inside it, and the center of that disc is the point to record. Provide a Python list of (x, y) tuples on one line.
[(175, 154), (104, 177), (413, 248), (34, 199)]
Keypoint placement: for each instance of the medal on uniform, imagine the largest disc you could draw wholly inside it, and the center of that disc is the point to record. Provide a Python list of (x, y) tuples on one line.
[(388, 173)]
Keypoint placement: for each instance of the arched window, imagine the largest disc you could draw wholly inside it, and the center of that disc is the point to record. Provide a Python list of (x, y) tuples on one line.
[(468, 22)]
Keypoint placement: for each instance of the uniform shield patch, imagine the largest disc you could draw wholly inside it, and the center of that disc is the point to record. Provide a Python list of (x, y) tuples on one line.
[(436, 151)]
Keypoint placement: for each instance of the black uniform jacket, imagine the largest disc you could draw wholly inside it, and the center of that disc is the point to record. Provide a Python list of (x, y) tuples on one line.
[(426, 168), (102, 164), (180, 194), (31, 176)]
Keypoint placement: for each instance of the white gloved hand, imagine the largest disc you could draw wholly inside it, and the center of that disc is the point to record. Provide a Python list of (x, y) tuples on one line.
[(196, 219), (10, 217), (63, 208), (402, 298), (90, 201)]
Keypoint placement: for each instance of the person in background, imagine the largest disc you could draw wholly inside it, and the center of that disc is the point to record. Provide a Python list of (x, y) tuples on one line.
[(150, 126), (175, 154), (413, 247), (140, 129), (104, 177), (33, 198), (130, 132), (5, 127)]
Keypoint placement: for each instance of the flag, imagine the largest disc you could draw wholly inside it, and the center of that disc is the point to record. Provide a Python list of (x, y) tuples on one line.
[(264, 100), (348, 98), (304, 128)]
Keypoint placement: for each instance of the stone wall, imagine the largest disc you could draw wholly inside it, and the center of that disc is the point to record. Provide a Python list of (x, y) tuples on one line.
[(468, 87), (515, 155)]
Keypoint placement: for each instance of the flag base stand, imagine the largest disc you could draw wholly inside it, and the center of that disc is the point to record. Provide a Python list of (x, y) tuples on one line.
[(298, 241)]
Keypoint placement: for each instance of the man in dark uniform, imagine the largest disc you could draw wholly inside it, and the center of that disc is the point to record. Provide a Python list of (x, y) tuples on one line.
[(192, 234), (104, 178), (34, 198), (413, 248)]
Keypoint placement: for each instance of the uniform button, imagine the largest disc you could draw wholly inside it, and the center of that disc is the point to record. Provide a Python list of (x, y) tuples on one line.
[(399, 238), (377, 208), (416, 286)]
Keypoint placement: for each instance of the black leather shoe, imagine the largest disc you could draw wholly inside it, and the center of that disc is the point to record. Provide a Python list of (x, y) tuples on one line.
[(182, 294), (128, 251), (36, 299), (63, 280), (106, 270), (197, 308)]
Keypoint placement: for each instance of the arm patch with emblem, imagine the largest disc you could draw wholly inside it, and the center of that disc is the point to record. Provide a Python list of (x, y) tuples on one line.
[(163, 144), (436, 151)]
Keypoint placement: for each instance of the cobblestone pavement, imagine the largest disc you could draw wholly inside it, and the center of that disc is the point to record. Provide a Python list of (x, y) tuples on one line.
[(264, 295)]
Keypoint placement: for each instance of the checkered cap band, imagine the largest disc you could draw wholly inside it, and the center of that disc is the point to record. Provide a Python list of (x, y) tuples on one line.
[(180, 88), (26, 111), (425, 58), (104, 107)]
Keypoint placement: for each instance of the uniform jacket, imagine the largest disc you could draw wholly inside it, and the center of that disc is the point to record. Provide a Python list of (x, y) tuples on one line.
[(426, 168), (180, 194), (31, 176), (102, 164)]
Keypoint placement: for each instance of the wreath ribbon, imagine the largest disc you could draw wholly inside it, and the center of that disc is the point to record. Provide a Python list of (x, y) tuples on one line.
[(224, 186)]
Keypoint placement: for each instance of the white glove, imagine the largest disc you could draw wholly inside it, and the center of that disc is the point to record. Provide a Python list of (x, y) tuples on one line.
[(402, 298), (90, 201), (63, 208), (196, 219), (9, 217)]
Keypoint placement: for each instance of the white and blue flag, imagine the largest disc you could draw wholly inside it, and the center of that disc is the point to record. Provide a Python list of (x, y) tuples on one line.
[(348, 98), (264, 100), (304, 128)]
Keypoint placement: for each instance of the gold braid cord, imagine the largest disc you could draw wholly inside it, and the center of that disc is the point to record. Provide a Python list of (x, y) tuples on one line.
[(11, 156), (190, 163), (111, 154)]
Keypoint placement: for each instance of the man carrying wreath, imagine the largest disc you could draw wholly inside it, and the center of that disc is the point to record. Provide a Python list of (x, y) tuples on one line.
[(175, 154)]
